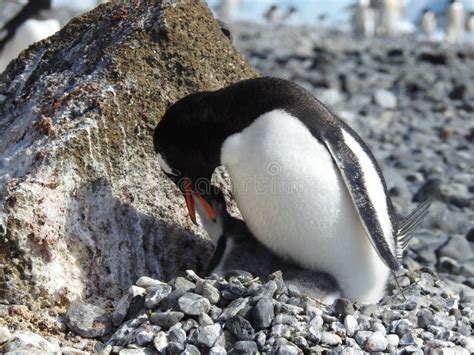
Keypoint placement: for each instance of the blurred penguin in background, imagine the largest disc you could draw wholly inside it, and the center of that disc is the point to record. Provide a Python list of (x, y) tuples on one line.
[(32, 24), (470, 22), (428, 22), (455, 21), (226, 9), (364, 19), (272, 15), (290, 16), (391, 16)]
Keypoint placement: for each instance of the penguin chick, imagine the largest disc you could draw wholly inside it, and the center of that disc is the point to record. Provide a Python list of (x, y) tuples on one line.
[(238, 249)]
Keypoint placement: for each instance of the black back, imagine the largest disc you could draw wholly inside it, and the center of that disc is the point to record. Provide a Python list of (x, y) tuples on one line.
[(31, 9)]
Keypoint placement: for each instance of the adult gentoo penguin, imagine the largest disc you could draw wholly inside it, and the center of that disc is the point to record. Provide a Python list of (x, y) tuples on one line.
[(30, 25), (306, 184)]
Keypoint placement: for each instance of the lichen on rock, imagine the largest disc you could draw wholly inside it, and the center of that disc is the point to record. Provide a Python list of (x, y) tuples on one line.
[(83, 203)]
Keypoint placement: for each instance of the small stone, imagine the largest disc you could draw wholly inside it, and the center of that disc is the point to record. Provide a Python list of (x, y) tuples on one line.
[(351, 325), (468, 343), (166, 319), (240, 328), (342, 307), (69, 350), (317, 322), (233, 308), (294, 291), (376, 342), (425, 318), (393, 340), (171, 301), (241, 275), (330, 339), (121, 310), (217, 350), (204, 319), (361, 337), (457, 248), (139, 351), (155, 294), (211, 293), (408, 339), (5, 334), (208, 335), (160, 342), (146, 336), (174, 348), (288, 349), (146, 282), (385, 99), (377, 326), (181, 283), (177, 335), (26, 342), (246, 347), (88, 320), (263, 313), (191, 350), (314, 334), (193, 304)]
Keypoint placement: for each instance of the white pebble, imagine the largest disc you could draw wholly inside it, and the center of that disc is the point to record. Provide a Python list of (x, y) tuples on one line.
[(351, 325), (376, 342)]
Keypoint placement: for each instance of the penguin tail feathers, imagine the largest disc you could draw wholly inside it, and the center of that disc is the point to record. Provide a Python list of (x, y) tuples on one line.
[(408, 225)]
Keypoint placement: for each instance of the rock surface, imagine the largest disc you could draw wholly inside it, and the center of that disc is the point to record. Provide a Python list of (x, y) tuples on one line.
[(84, 204)]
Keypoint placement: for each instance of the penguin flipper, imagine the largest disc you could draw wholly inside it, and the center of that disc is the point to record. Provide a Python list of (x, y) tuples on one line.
[(359, 172), (409, 224)]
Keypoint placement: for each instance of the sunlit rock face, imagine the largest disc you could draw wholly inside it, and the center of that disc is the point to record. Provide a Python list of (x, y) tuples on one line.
[(84, 207)]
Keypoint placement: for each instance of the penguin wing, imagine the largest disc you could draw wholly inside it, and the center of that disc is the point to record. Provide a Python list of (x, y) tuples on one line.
[(366, 186)]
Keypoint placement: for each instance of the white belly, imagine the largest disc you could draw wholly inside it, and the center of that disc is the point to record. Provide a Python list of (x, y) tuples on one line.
[(293, 199)]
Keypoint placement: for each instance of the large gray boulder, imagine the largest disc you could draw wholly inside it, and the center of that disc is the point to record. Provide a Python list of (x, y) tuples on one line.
[(84, 207)]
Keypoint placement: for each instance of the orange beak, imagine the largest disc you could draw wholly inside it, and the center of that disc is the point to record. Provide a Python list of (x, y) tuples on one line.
[(188, 196)]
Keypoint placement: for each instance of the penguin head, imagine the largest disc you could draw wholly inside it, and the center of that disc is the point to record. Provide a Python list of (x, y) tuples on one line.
[(188, 144)]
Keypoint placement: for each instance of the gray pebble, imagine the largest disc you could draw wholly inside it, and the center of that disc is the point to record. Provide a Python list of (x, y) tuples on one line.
[(288, 349), (174, 348), (361, 337), (193, 304), (88, 320), (246, 347), (330, 339), (351, 325), (166, 319), (217, 350), (5, 334), (263, 313), (240, 328), (425, 318), (207, 336), (342, 307), (191, 350), (155, 294), (385, 99), (177, 335), (160, 342)]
